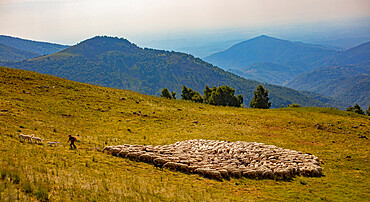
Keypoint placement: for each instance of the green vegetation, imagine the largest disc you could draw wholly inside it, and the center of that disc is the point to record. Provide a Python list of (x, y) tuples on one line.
[(368, 111), (117, 63), (166, 93), (222, 96), (294, 105), (218, 96), (260, 99), (356, 108), (52, 108), (190, 94), (348, 83)]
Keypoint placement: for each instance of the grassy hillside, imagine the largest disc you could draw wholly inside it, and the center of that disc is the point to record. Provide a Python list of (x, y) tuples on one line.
[(117, 63), (52, 108)]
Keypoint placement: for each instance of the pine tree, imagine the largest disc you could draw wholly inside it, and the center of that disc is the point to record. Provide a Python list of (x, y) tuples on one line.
[(260, 99), (166, 93)]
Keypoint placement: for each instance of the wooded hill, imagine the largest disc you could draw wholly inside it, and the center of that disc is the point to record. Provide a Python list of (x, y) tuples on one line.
[(118, 63)]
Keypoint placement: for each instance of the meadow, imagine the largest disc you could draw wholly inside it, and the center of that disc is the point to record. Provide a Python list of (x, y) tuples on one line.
[(52, 107)]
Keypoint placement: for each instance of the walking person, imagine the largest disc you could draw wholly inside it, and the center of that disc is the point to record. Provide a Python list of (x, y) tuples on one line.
[(72, 140)]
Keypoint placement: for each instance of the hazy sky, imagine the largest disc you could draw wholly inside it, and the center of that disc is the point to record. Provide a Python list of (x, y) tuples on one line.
[(70, 21)]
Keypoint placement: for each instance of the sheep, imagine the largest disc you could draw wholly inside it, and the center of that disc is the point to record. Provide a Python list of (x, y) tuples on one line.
[(21, 136), (37, 139), (28, 137), (107, 148), (53, 143)]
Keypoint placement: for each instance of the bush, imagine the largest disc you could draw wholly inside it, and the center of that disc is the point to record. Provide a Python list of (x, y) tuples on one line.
[(357, 109), (294, 105), (166, 94)]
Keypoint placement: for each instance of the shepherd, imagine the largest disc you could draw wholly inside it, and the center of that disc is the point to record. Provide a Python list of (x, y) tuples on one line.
[(72, 140)]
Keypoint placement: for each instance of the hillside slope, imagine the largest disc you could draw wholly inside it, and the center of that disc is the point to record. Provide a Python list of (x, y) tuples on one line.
[(10, 54), (349, 83), (51, 108), (353, 56), (273, 73), (118, 63), (41, 48)]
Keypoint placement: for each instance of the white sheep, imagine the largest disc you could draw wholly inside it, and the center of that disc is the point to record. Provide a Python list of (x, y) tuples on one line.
[(37, 139), (53, 143)]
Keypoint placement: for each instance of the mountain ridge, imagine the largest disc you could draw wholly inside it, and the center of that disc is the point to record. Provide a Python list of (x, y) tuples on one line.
[(38, 47), (149, 71), (269, 49)]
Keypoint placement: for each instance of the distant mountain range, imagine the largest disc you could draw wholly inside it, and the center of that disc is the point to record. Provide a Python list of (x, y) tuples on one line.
[(301, 66), (118, 63), (37, 47)]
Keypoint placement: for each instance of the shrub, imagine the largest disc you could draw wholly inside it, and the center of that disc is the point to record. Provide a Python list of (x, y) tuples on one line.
[(356, 108), (166, 94), (294, 105)]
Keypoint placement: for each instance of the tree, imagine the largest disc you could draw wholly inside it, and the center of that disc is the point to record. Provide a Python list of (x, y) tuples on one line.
[(260, 99), (368, 111), (190, 94), (222, 95), (207, 94), (173, 94), (186, 93), (357, 109), (166, 93)]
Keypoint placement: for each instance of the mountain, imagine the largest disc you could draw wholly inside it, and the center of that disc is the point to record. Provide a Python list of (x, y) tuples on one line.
[(356, 55), (11, 54), (118, 63), (265, 49), (41, 48), (349, 83)]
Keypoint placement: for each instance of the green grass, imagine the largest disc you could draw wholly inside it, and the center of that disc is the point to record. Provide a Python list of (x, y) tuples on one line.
[(52, 108)]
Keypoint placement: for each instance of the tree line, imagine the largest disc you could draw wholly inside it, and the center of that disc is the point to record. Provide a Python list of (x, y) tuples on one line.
[(221, 96)]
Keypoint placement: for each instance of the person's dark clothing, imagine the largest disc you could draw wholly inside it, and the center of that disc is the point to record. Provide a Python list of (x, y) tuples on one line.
[(72, 140)]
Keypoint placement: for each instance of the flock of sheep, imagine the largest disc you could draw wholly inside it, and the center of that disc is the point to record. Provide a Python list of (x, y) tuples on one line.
[(33, 139), (30, 138), (222, 159)]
